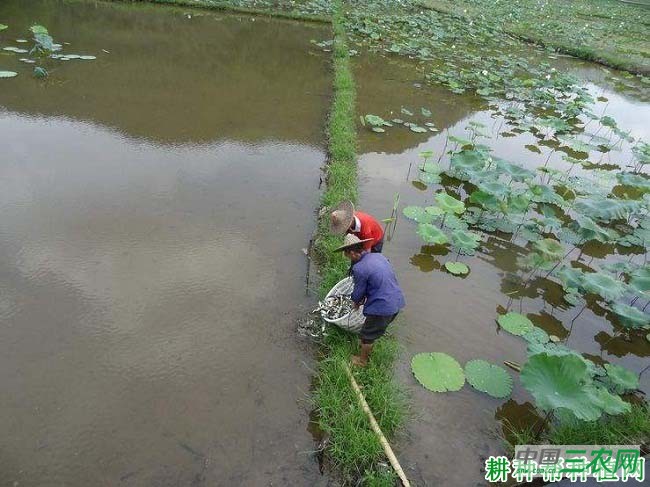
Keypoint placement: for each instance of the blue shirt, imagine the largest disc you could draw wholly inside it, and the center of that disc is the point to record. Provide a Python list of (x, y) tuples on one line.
[(375, 280)]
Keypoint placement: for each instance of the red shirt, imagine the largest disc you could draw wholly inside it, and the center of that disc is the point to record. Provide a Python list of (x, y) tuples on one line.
[(370, 228)]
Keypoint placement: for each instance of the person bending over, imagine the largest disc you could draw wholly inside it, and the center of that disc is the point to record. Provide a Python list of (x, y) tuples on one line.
[(345, 220), (376, 287)]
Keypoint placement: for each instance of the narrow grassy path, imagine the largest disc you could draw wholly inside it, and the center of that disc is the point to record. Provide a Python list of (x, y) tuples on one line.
[(354, 450)]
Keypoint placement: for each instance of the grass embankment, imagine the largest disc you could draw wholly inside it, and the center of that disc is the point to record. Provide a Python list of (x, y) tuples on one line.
[(353, 449), (230, 7), (607, 32)]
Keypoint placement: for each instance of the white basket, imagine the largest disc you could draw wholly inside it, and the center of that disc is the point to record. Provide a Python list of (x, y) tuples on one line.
[(353, 321)]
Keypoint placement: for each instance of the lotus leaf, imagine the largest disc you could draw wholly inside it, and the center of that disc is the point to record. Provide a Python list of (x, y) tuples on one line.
[(640, 280), (465, 241), (517, 173), (38, 29), (518, 203), (8, 74), (3, 27), (418, 214), (550, 250), (495, 188), (515, 323), (603, 285), (605, 209), (544, 194), (449, 204), (431, 234), (452, 222), (457, 268), (590, 230), (431, 167), (460, 140), (631, 317), (486, 200), (429, 178), (40, 72), (417, 129), (634, 180), (372, 120), (608, 402), (488, 378), (437, 372), (561, 382), (434, 211), (621, 379), (17, 50), (536, 335), (379, 130)]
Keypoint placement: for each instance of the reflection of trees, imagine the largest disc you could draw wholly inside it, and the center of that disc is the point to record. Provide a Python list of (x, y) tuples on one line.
[(173, 79)]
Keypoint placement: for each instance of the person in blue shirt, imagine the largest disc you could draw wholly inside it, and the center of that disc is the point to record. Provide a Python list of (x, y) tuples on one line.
[(376, 287)]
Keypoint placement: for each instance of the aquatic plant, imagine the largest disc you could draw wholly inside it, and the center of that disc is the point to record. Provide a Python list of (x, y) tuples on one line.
[(489, 378), (437, 372)]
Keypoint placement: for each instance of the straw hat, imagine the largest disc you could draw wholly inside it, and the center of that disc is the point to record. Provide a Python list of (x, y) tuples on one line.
[(349, 241), (341, 217)]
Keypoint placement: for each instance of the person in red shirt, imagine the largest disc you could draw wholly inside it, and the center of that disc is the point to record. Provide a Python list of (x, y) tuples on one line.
[(345, 220)]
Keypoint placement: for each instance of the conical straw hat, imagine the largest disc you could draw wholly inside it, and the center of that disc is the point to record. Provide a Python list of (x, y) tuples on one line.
[(341, 217), (351, 240)]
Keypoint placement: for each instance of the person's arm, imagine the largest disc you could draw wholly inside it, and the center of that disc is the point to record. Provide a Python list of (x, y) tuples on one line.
[(360, 285)]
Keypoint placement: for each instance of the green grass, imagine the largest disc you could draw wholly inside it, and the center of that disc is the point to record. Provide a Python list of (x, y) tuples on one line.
[(354, 449), (631, 428), (230, 7)]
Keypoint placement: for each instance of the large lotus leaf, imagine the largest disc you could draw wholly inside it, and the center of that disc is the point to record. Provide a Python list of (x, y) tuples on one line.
[(605, 209), (570, 278), (375, 120), (434, 211), (608, 402), (418, 214), (536, 335), (550, 250), (515, 323), (633, 180), (449, 204), (561, 382), (544, 194), (8, 74), (438, 372), (517, 173), (465, 241), (518, 203), (640, 280), (488, 378), (590, 230), (484, 199), (456, 268), (431, 167), (631, 317), (603, 285), (495, 188), (431, 234), (621, 379), (468, 161), (453, 223)]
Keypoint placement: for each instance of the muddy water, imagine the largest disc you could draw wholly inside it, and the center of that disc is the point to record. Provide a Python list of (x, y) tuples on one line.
[(154, 203), (450, 434)]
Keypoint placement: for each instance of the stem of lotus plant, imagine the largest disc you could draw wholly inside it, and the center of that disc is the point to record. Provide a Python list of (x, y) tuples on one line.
[(442, 223), (646, 305), (644, 369), (548, 159), (444, 147), (566, 340), (409, 171)]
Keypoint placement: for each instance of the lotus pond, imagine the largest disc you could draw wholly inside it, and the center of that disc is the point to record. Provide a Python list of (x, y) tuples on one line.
[(154, 202)]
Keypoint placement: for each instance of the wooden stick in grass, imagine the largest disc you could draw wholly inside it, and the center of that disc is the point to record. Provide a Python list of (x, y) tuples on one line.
[(375, 427)]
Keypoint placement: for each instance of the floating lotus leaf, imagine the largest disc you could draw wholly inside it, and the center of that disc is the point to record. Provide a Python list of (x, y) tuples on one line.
[(536, 335), (545, 194), (555, 123), (465, 241), (561, 382), (434, 211), (457, 268), (431, 234), (621, 379), (484, 199), (518, 203), (550, 250), (468, 161), (515, 323), (379, 130), (576, 145), (516, 173), (603, 285), (417, 129), (90, 58), (3, 27), (640, 280), (631, 317), (488, 378), (8, 74), (17, 50), (429, 178), (372, 120), (590, 230), (633, 180), (452, 222), (449, 204), (437, 372), (460, 140), (418, 214), (605, 209), (495, 188), (38, 29)]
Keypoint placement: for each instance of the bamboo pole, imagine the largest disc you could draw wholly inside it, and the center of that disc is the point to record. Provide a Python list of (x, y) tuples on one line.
[(375, 427)]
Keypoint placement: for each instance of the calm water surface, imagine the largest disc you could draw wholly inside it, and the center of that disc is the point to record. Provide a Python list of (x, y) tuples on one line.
[(154, 203), (454, 315)]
